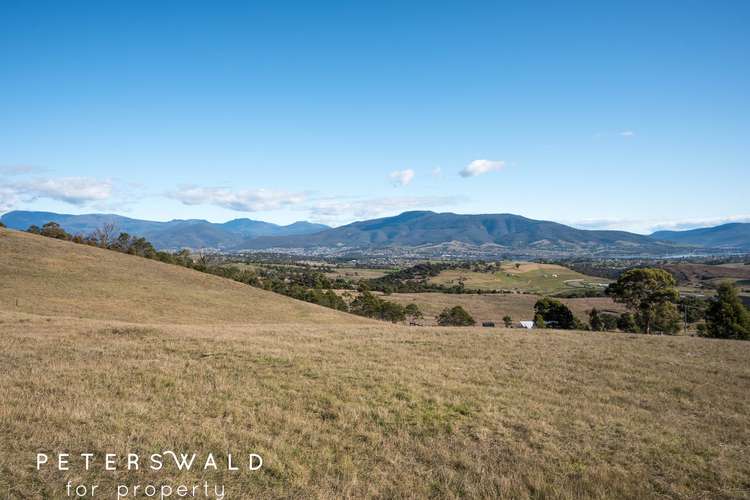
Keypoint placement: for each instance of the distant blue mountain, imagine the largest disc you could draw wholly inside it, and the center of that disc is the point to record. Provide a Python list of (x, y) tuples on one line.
[(420, 228), (408, 229), (174, 234), (733, 235)]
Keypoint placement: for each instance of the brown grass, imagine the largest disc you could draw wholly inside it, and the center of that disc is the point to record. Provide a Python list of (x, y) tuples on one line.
[(492, 307), (380, 411), (58, 278)]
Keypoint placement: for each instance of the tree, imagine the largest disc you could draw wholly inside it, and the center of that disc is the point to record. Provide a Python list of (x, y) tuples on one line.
[(53, 230), (2, 224), (104, 234), (595, 322), (626, 323), (412, 312), (556, 314), (644, 291), (539, 321), (726, 316), (373, 307), (34, 229), (667, 319), (508, 321), (693, 308), (455, 316), (609, 321)]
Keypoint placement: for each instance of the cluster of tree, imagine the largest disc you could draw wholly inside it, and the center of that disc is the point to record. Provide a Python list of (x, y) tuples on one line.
[(416, 278), (371, 306), (107, 237), (608, 322), (455, 316), (553, 313), (652, 296)]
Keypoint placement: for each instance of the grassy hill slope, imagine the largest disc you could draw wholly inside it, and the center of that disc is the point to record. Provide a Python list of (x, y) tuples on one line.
[(57, 278)]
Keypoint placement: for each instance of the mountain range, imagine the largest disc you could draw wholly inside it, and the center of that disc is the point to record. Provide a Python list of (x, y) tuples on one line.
[(409, 229), (732, 235), (174, 234)]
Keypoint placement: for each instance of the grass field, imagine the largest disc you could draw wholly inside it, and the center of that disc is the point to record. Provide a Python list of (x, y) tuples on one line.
[(492, 307), (530, 277), (381, 411), (357, 273), (341, 407), (59, 278)]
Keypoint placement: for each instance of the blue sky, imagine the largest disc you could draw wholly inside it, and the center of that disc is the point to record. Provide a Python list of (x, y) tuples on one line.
[(630, 115)]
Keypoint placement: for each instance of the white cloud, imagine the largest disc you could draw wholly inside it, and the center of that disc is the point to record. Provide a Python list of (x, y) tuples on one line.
[(243, 200), (437, 172), (9, 198), (402, 177), (627, 133), (479, 167), (73, 190)]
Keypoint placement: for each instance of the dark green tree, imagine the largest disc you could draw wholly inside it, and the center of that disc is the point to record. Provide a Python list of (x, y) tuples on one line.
[(556, 314), (595, 322), (644, 291), (53, 230), (455, 316), (412, 312), (626, 323), (508, 321), (609, 321), (539, 321), (666, 319), (726, 316)]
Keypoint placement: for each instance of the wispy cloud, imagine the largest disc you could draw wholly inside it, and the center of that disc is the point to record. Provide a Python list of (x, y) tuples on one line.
[(626, 134), (243, 200), (73, 190), (8, 170), (401, 177), (479, 167), (9, 199), (437, 172), (648, 226)]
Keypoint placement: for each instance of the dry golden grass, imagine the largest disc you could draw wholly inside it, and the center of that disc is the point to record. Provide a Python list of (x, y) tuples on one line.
[(58, 278), (492, 307), (353, 410), (380, 411)]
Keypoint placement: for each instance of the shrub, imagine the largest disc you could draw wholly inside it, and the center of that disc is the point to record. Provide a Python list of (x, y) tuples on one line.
[(455, 316), (626, 323), (556, 314), (726, 316)]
